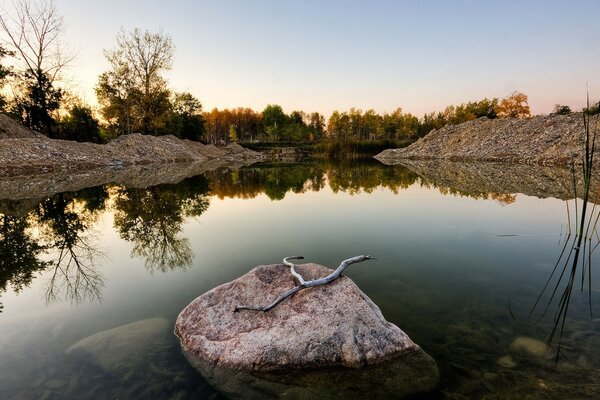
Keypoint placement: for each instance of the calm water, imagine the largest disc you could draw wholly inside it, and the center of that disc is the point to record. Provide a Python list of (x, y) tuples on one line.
[(452, 261)]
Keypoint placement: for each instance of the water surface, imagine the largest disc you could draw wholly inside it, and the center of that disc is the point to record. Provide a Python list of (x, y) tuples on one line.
[(462, 263)]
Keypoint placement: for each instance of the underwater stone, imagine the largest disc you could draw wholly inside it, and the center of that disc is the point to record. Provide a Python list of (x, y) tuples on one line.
[(120, 349), (507, 362), (330, 326), (530, 346)]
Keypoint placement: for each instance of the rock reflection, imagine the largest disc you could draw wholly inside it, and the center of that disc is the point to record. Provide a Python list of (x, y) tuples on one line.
[(152, 218), (385, 381), (494, 180)]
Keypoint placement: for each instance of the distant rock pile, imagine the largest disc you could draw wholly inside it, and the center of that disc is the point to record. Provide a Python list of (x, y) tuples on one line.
[(552, 139), (23, 151)]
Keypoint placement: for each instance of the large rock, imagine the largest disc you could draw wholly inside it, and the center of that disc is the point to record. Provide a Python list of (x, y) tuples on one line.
[(334, 327), (120, 349)]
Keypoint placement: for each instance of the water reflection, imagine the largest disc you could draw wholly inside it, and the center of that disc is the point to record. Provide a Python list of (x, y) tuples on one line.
[(57, 232), (152, 218), (451, 300), (65, 225), (19, 254)]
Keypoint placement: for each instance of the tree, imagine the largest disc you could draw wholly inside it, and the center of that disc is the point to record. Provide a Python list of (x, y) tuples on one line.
[(133, 95), (4, 73), (186, 120), (35, 33), (514, 106), (273, 119), (232, 133), (317, 126), (562, 110), (80, 125)]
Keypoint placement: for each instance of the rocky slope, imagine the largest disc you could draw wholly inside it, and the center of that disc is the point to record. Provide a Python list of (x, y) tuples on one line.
[(25, 152), (552, 139)]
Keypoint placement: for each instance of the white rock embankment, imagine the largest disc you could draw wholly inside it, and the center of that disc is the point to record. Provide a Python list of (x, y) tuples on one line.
[(549, 139), (23, 151)]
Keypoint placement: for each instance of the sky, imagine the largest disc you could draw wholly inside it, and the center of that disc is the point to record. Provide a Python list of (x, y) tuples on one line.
[(332, 54)]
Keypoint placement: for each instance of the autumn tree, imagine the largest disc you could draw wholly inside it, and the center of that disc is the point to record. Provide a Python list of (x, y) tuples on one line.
[(316, 123), (34, 33), (133, 95), (514, 106)]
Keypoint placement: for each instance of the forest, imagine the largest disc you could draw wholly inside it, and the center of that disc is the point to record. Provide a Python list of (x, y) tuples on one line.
[(133, 96)]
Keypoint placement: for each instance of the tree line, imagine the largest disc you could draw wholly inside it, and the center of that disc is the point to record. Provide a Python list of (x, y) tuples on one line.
[(134, 96)]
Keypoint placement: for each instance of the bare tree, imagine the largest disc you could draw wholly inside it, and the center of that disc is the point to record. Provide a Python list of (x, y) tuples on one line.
[(34, 32)]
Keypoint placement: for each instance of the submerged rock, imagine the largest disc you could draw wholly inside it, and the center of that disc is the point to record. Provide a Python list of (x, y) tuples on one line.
[(530, 346), (507, 362), (119, 349), (335, 329)]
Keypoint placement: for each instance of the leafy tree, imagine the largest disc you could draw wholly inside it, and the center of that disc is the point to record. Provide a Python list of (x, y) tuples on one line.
[(4, 73), (80, 125), (317, 126), (273, 120), (232, 133), (34, 33), (514, 106), (562, 110), (592, 110), (186, 120), (37, 101), (133, 95)]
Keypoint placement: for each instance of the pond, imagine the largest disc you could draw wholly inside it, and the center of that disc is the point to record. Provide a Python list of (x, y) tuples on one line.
[(465, 251)]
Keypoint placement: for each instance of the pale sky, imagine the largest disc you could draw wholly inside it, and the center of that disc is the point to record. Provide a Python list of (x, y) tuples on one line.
[(326, 55)]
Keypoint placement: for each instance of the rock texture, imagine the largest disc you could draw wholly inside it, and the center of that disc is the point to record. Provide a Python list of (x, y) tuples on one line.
[(10, 129), (23, 151), (330, 326), (552, 139)]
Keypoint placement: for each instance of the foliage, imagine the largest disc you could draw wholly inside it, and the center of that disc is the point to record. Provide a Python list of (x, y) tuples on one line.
[(186, 120), (514, 106), (562, 110), (592, 110), (34, 32), (80, 125), (133, 95), (37, 102), (4, 73), (247, 125)]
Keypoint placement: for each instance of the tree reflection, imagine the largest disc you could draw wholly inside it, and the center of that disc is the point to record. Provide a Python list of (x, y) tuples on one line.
[(276, 180), (152, 218), (64, 223), (19, 254)]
